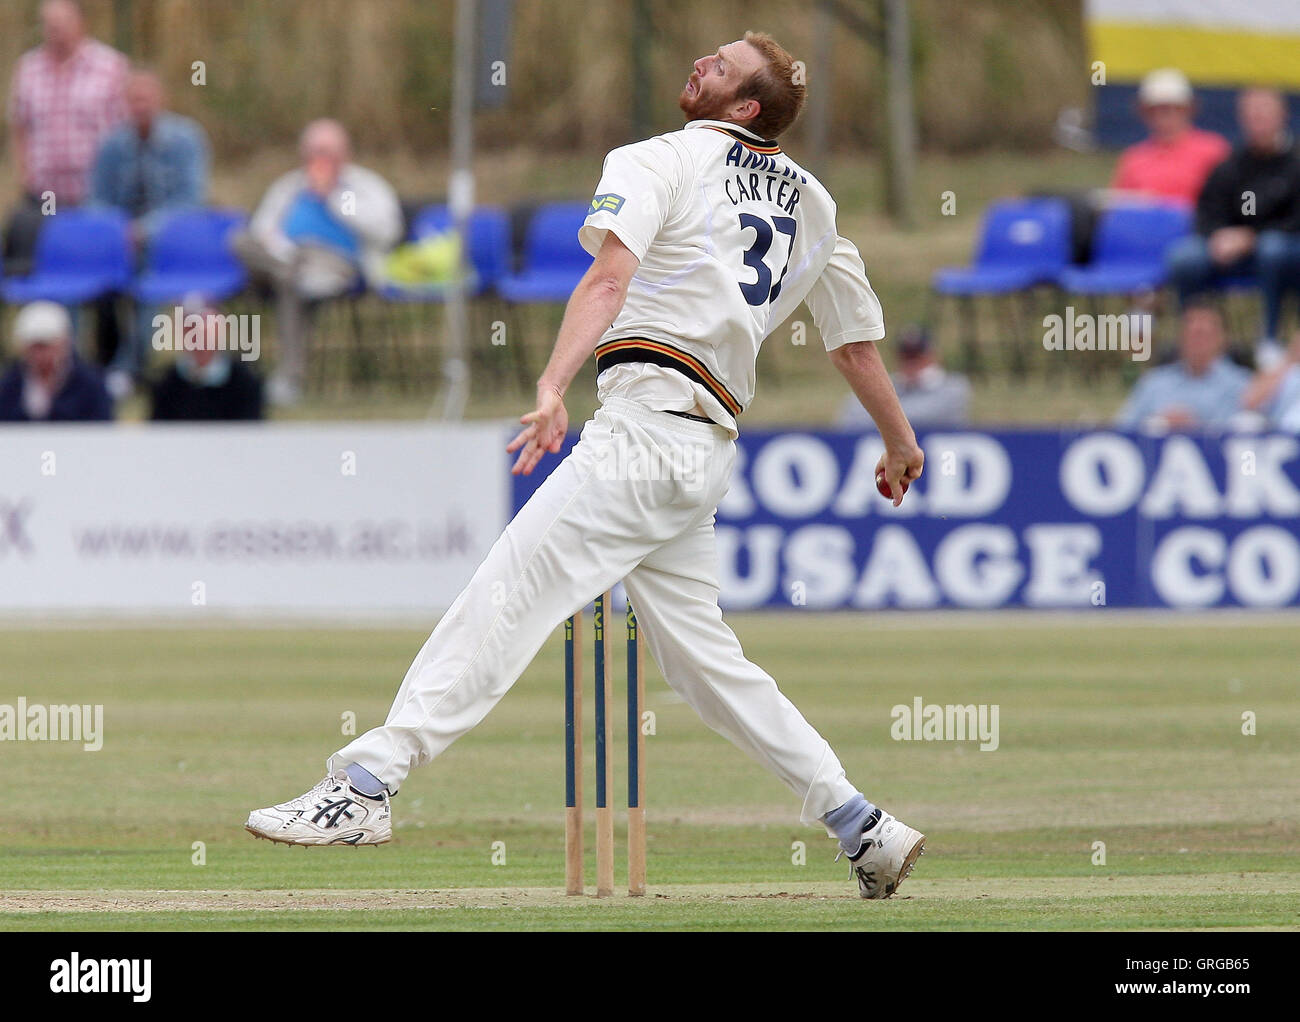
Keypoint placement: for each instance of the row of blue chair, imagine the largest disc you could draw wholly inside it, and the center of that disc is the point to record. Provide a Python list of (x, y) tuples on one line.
[(553, 261), (1025, 243), (83, 254)]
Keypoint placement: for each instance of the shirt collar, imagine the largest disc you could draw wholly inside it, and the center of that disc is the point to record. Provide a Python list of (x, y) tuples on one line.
[(1215, 368), (75, 58), (728, 126), (737, 132), (705, 123)]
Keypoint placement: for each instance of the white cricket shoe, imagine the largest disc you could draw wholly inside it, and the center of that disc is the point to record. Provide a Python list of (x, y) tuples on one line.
[(888, 853), (332, 813)]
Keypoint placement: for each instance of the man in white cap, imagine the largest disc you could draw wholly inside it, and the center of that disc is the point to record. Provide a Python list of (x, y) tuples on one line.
[(47, 382), (1176, 158)]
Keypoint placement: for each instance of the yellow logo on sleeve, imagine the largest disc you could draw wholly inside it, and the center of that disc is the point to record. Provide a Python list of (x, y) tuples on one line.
[(607, 200)]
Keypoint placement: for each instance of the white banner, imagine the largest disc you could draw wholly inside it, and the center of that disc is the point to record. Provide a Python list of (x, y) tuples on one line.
[(286, 518), (1253, 15)]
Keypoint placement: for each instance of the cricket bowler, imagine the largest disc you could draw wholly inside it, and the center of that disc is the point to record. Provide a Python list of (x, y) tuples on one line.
[(704, 240)]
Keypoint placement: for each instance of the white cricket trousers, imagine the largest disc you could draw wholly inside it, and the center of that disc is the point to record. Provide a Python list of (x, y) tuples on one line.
[(634, 500)]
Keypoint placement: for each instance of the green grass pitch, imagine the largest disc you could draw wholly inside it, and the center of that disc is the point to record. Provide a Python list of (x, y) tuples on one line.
[(1126, 731)]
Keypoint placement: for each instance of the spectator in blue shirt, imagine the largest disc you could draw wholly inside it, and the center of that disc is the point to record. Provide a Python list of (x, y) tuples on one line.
[(1202, 390), (930, 394), (152, 165), (48, 383)]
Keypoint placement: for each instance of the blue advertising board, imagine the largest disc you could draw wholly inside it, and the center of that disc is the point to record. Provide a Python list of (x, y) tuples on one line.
[(1010, 519)]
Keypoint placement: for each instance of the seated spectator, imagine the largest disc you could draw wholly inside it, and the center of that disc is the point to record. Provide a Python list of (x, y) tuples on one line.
[(153, 165), (207, 383), (1176, 157), (65, 96), (48, 383), (1201, 390), (1275, 393), (1248, 215), (318, 231), (929, 394)]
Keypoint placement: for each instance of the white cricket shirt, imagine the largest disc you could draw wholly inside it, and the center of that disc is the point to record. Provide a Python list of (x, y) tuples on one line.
[(732, 235)]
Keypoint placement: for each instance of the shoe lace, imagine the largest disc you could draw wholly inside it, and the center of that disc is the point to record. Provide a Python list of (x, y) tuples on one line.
[(868, 876), (310, 798)]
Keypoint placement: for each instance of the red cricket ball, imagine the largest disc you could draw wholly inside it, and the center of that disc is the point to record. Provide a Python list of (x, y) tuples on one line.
[(882, 484)]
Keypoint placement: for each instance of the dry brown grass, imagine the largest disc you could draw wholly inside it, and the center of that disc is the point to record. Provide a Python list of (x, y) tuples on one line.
[(987, 73), (990, 76)]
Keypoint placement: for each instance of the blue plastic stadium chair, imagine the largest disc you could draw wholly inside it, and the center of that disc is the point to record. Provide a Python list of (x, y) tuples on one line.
[(1022, 243), (82, 254), (1129, 250), (191, 252), (554, 262), (488, 248)]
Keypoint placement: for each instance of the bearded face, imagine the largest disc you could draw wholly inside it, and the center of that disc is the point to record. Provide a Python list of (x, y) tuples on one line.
[(699, 102), (712, 89)]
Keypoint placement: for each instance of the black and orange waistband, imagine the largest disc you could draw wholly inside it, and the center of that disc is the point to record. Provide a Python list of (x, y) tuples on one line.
[(642, 349)]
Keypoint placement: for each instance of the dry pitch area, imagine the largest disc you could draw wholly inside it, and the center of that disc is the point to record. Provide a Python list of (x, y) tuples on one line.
[(1124, 732)]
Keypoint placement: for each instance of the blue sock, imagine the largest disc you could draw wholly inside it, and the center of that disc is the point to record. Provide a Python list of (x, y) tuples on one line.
[(849, 821), (364, 781)]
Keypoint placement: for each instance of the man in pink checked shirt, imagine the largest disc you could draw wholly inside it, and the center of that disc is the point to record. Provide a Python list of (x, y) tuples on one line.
[(65, 96)]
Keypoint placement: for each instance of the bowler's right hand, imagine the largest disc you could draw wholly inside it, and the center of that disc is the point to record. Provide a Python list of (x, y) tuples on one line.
[(900, 462)]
